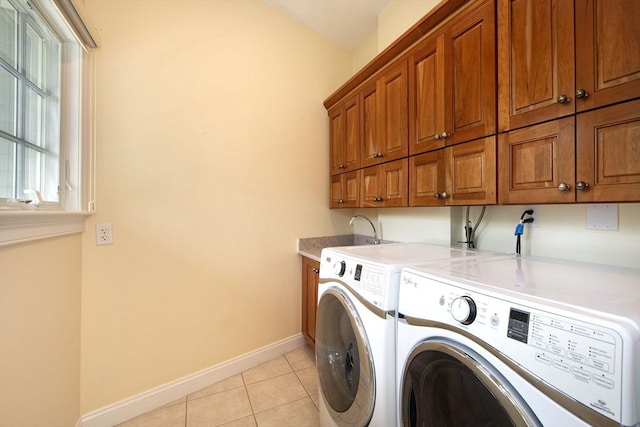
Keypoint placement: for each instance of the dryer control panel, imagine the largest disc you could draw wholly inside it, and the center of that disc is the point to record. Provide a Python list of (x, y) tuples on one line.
[(568, 351)]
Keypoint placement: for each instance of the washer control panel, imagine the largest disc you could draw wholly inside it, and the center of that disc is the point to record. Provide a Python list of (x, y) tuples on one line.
[(572, 354), (372, 282)]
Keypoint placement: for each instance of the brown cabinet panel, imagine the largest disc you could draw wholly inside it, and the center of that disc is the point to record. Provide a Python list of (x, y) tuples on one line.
[(464, 174), (427, 95), (535, 61), (607, 51), (344, 134), (371, 147), (384, 185), (394, 111), (452, 82), (471, 172), (384, 116), (608, 148), (310, 270), (473, 73), (535, 162), (427, 179), (344, 190)]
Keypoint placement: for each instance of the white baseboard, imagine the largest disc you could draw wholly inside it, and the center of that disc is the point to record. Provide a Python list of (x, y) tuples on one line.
[(167, 393)]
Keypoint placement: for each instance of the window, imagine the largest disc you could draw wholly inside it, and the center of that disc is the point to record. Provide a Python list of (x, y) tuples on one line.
[(46, 137)]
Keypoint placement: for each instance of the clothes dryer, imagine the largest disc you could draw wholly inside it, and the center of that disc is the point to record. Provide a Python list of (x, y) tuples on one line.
[(513, 341), (355, 330)]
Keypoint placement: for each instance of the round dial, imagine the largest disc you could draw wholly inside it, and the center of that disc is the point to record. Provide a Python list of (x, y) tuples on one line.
[(463, 309), (339, 268)]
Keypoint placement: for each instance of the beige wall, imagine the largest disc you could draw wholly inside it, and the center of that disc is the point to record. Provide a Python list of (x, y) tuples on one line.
[(212, 161), (40, 333)]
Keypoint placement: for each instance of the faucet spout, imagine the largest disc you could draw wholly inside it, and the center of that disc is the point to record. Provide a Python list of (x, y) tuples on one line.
[(376, 241)]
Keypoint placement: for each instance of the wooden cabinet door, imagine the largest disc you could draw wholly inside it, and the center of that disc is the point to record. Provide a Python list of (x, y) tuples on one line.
[(607, 52), (608, 153), (385, 117), (427, 95), (471, 173), (344, 190), (336, 140), (394, 112), (384, 185), (344, 134), (394, 183), (371, 147), (472, 102), (310, 270), (427, 179), (536, 163), (535, 61)]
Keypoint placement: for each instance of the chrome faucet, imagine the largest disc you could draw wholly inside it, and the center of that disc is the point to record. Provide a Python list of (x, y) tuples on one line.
[(376, 241)]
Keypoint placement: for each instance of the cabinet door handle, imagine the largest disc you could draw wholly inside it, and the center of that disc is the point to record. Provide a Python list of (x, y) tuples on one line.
[(377, 155), (563, 99), (442, 195), (581, 93), (378, 199), (437, 136), (340, 201), (340, 167), (563, 187), (582, 186), (315, 270), (445, 195), (445, 135)]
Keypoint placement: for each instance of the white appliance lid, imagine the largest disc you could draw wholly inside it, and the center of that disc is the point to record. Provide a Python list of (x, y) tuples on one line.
[(403, 254), (614, 290)]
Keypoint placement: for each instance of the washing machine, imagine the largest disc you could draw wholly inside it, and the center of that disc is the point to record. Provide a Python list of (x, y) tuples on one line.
[(355, 329), (513, 341)]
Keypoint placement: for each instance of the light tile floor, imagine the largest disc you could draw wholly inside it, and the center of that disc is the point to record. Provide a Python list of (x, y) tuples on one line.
[(279, 393)]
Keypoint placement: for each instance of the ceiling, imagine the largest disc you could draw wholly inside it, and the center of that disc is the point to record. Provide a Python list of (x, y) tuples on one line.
[(347, 22)]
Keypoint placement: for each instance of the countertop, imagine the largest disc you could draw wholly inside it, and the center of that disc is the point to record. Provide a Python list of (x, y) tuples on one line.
[(311, 247)]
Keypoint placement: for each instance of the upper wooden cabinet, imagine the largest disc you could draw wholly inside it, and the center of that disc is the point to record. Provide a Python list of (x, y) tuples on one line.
[(344, 135), (452, 82), (384, 185), (590, 157), (537, 163), (607, 52), (385, 116), (608, 153), (550, 66), (345, 190), (463, 174)]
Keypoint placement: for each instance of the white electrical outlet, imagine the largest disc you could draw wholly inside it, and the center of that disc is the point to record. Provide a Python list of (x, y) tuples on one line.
[(104, 234)]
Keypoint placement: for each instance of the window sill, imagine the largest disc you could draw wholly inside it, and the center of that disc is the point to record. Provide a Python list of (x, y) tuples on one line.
[(21, 226)]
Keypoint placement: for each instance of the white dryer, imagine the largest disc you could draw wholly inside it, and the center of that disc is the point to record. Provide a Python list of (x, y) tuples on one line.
[(355, 330), (512, 341)]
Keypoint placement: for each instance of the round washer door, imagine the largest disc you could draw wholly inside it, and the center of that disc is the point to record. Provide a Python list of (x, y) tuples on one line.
[(447, 384), (344, 360)]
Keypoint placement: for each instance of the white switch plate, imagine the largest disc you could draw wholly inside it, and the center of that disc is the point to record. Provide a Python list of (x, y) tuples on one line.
[(602, 217)]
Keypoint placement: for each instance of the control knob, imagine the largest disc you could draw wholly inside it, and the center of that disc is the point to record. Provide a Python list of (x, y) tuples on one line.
[(339, 268), (463, 309)]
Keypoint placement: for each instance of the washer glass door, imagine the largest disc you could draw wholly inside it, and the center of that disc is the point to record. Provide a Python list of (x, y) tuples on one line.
[(344, 360), (445, 384)]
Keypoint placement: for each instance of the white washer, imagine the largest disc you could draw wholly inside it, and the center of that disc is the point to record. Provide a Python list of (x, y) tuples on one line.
[(355, 330), (518, 341)]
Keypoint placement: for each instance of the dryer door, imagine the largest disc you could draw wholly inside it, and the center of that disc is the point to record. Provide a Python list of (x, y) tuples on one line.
[(344, 360), (447, 384)]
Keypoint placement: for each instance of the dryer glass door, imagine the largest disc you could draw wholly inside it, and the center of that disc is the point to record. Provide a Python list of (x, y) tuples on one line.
[(344, 360), (447, 385)]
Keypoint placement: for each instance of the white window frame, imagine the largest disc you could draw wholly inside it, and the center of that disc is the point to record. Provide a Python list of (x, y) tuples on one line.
[(20, 222)]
